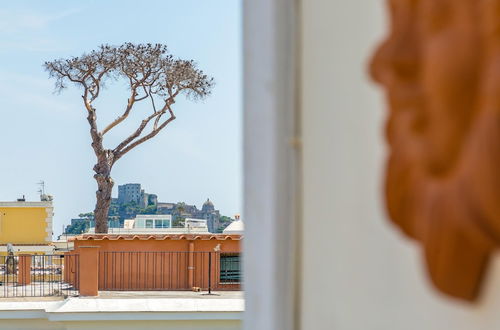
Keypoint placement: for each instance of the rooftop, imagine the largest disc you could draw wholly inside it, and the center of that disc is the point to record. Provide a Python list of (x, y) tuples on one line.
[(187, 236), (235, 227), (26, 204)]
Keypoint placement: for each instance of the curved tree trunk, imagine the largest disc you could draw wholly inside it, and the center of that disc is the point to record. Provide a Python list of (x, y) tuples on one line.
[(103, 194)]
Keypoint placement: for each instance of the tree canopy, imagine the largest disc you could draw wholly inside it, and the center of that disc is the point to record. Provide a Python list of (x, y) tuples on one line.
[(152, 75)]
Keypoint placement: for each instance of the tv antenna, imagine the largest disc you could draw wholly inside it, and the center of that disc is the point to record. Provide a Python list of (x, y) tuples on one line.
[(41, 183), (41, 191)]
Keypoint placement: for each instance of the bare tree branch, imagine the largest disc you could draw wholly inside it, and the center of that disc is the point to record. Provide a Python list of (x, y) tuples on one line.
[(152, 101), (124, 116), (139, 130), (145, 138)]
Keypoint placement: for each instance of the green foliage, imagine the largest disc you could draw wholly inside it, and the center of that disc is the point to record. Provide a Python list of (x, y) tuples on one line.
[(114, 210), (89, 215), (224, 221), (178, 222), (180, 207), (77, 228), (151, 209)]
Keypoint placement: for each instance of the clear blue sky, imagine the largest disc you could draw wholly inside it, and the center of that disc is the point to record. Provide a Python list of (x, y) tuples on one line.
[(44, 136)]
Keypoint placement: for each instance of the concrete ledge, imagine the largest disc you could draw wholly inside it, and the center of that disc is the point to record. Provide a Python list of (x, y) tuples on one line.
[(85, 305), (149, 316), (125, 309), (47, 205)]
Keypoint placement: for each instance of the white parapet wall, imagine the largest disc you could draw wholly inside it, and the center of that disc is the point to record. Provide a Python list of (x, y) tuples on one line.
[(123, 313), (153, 231)]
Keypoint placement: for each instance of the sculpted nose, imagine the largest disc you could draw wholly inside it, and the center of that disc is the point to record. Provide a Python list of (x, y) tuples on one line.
[(395, 60)]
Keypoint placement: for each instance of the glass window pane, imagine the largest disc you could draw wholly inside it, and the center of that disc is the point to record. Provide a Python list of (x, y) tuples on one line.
[(230, 268)]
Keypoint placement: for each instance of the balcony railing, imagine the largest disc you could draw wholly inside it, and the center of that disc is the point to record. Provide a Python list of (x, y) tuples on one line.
[(37, 275), (168, 271), (66, 275)]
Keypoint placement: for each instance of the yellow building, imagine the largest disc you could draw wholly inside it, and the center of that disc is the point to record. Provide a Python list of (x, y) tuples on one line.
[(27, 226)]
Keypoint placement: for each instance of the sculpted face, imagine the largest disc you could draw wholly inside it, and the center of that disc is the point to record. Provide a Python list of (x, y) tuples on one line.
[(429, 68), (440, 67)]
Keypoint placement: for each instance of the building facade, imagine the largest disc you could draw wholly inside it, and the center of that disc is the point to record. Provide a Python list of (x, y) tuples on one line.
[(129, 193), (152, 221), (27, 226), (133, 193), (209, 213), (164, 261)]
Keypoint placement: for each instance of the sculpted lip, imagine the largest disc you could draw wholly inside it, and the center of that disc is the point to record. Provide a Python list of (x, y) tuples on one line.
[(405, 98), (406, 118)]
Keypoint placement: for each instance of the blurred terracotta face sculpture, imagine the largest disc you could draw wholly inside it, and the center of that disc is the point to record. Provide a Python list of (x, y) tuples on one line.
[(440, 67)]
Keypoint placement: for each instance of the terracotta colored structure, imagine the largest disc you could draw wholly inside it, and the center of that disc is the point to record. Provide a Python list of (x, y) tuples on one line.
[(88, 258), (156, 262), (440, 66), (71, 269), (24, 269)]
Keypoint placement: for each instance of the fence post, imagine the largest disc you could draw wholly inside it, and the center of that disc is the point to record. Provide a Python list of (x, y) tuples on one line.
[(209, 272), (191, 265), (66, 266), (88, 270), (24, 269)]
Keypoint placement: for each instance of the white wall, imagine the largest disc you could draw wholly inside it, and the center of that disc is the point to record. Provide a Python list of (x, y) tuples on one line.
[(358, 272), (20, 324)]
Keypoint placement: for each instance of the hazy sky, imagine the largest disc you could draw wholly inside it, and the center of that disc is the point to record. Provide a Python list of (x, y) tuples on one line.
[(45, 136)]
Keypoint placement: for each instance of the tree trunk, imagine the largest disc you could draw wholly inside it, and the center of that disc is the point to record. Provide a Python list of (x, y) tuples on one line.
[(103, 196)]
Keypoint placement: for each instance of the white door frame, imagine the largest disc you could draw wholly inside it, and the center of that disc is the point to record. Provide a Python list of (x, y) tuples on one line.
[(271, 165)]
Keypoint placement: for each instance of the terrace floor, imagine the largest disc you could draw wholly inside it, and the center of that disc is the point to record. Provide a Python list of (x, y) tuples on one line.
[(128, 309), (171, 294), (135, 295)]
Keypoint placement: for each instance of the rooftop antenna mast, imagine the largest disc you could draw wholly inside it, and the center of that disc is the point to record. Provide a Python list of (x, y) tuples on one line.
[(43, 196), (41, 183)]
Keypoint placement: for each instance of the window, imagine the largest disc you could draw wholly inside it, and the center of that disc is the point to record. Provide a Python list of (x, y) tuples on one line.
[(149, 223), (230, 268), (162, 223)]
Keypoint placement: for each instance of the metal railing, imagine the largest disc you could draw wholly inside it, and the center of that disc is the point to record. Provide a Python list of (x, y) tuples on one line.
[(145, 271), (38, 276)]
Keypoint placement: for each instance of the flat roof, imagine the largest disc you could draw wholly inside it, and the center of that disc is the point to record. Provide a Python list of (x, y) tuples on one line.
[(26, 204)]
